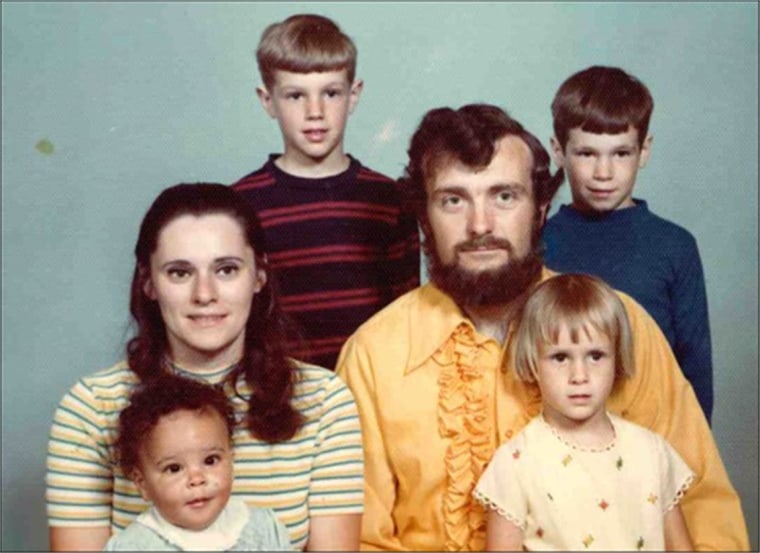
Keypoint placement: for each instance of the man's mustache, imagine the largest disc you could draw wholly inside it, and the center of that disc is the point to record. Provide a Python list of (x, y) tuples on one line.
[(485, 241)]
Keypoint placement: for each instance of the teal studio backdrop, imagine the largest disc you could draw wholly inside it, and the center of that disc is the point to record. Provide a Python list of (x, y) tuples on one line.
[(105, 104)]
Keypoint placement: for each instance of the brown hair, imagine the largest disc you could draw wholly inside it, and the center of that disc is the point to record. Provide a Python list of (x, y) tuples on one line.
[(468, 135), (302, 44), (265, 365), (161, 397), (602, 100), (575, 302)]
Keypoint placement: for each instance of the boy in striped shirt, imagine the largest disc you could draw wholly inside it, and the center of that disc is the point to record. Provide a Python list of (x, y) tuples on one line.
[(336, 234)]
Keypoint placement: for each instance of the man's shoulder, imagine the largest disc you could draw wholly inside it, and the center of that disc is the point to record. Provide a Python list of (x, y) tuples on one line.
[(394, 317)]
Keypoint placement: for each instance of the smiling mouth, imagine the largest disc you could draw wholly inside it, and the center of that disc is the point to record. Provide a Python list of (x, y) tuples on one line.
[(206, 320)]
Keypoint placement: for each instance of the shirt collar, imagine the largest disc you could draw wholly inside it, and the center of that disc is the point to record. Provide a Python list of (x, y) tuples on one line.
[(434, 318)]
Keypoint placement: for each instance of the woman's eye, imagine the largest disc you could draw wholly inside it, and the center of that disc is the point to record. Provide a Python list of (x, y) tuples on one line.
[(228, 270), (178, 274)]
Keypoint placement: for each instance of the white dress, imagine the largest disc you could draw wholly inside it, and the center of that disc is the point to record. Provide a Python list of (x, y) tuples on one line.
[(569, 498)]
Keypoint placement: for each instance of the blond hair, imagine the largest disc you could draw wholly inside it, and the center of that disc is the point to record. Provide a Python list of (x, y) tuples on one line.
[(576, 302), (304, 43)]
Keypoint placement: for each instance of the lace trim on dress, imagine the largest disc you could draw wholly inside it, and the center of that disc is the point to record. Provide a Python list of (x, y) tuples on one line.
[(517, 521), (577, 447), (680, 493), (463, 421)]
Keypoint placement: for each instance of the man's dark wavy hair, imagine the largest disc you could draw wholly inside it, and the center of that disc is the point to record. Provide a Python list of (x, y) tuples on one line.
[(468, 135)]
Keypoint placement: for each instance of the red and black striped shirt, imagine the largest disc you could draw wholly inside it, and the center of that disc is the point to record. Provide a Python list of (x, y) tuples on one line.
[(340, 247)]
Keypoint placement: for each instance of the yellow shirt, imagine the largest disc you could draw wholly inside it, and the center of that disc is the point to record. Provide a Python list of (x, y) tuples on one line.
[(434, 406)]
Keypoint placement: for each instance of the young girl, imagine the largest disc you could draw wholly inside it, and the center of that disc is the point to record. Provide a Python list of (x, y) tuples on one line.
[(175, 443), (578, 477)]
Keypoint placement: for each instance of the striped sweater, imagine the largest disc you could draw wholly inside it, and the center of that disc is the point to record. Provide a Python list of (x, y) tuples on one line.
[(340, 247), (318, 472)]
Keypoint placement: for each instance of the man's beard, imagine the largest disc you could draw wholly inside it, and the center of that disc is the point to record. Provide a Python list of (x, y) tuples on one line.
[(490, 288)]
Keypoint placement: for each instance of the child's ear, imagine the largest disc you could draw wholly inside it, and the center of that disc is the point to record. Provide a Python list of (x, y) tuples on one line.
[(266, 100), (646, 148), (137, 477), (557, 153), (355, 92)]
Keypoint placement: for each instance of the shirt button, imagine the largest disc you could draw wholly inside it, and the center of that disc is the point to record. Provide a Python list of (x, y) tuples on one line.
[(508, 434)]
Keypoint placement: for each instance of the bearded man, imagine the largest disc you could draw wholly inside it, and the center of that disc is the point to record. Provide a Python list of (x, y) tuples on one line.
[(430, 372)]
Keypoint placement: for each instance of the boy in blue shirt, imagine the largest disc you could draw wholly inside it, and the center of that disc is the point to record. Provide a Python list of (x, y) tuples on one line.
[(336, 235), (601, 120)]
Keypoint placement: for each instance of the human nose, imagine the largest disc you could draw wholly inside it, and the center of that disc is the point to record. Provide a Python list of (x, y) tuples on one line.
[(204, 290), (603, 169), (314, 108), (196, 476), (578, 372), (480, 219)]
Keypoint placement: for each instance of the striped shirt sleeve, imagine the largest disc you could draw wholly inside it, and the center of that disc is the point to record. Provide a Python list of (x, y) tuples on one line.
[(337, 480), (79, 474)]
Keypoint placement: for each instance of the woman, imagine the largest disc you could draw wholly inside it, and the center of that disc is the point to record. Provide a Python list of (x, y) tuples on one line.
[(205, 307)]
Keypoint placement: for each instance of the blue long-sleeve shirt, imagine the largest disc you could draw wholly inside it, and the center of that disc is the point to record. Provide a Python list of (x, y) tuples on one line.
[(651, 259)]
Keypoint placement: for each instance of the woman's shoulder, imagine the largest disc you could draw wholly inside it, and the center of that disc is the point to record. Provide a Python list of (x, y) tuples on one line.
[(112, 383), (319, 390), (311, 378)]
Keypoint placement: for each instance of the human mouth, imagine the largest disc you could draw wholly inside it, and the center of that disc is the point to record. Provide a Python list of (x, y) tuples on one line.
[(315, 135), (483, 245), (579, 398), (206, 320), (198, 503), (601, 193)]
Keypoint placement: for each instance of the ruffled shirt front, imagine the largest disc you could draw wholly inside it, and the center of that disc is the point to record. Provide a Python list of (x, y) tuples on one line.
[(465, 409)]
